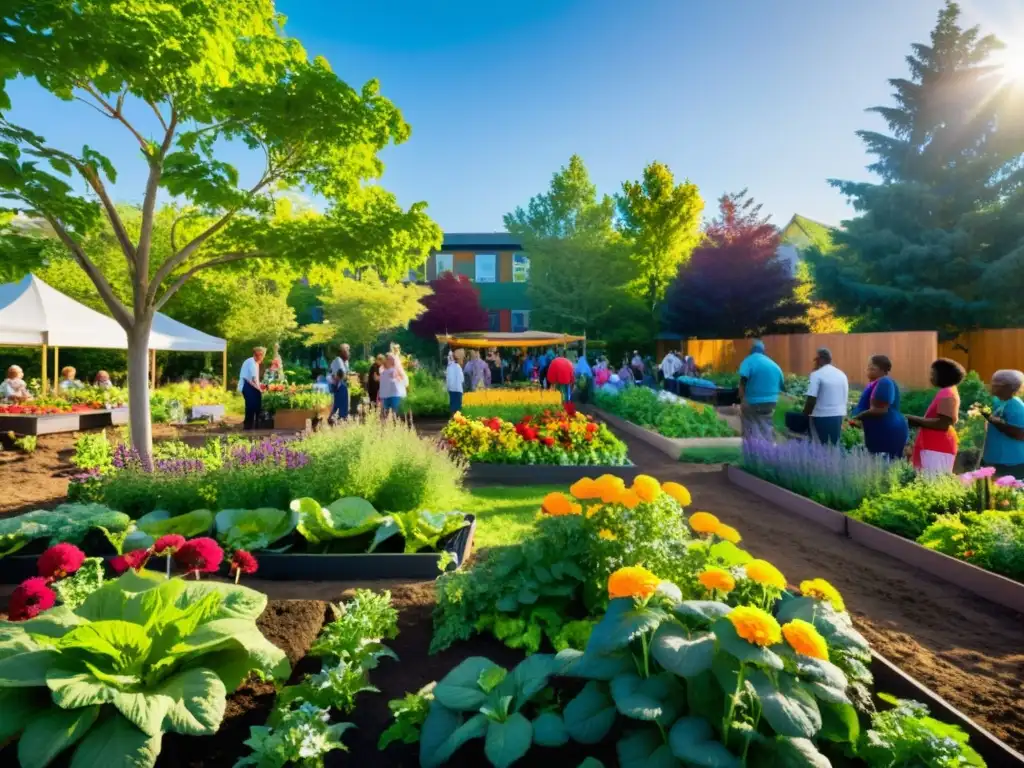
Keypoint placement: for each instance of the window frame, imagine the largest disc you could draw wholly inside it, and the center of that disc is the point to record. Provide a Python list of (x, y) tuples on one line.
[(437, 263), (494, 267), (525, 314), (521, 275)]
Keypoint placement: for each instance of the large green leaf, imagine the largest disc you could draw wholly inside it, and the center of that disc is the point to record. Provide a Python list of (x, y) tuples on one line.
[(693, 741), (590, 715), (839, 722), (592, 666), (789, 709), (528, 678), (460, 689), (549, 730), (236, 601), (74, 688), (53, 623), (254, 529), (108, 601), (727, 554), (508, 741), (701, 612), (26, 670), (746, 652), (705, 697), (681, 652), (444, 731), (159, 522), (654, 698), (645, 748), (122, 642), (622, 622), (345, 518), (17, 709), (116, 743), (421, 529), (51, 733), (794, 753), (155, 607), (191, 702)]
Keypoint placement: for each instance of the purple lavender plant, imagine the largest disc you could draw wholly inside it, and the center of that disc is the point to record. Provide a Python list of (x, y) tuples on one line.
[(828, 474), (271, 451), (179, 466), (126, 457)]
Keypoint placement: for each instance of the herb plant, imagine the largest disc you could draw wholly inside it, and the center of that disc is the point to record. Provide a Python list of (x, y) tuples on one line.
[(906, 737), (301, 739), (409, 712)]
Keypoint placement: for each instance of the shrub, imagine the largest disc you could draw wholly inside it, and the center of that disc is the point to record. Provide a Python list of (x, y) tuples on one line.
[(910, 509), (671, 418), (972, 390), (992, 540), (427, 396)]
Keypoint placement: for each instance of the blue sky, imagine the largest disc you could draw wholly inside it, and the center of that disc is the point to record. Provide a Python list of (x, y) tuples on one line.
[(763, 94)]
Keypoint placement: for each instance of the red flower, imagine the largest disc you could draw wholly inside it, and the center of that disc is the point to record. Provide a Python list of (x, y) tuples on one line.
[(570, 408), (168, 545), (548, 441), (527, 419), (29, 599), (136, 560), (202, 555), (530, 433), (591, 427), (59, 561), (244, 562)]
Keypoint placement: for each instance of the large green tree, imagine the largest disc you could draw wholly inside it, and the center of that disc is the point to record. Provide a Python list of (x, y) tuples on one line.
[(181, 80), (660, 221), (937, 243)]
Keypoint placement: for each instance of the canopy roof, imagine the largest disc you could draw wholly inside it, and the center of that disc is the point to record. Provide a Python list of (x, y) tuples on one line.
[(33, 313), (524, 339)]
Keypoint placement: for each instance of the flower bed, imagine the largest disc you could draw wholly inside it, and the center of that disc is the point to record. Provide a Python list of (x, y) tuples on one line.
[(663, 413), (562, 437), (513, 396)]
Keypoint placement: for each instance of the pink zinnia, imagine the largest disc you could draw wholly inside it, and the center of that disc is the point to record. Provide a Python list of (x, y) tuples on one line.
[(29, 599), (135, 560), (59, 561), (168, 545), (1007, 481), (244, 562), (984, 472), (202, 555)]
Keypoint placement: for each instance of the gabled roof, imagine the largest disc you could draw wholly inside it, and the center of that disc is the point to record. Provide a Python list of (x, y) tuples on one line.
[(819, 234)]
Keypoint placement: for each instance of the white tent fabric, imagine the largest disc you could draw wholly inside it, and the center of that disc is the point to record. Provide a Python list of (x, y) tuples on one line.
[(33, 313)]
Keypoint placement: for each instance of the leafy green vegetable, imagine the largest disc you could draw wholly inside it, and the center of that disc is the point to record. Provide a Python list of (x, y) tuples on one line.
[(301, 739), (159, 522), (345, 518), (409, 712), (254, 529), (74, 589), (68, 523), (139, 657), (906, 736), (421, 530)]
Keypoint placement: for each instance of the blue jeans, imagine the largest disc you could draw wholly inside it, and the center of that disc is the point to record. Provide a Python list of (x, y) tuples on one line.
[(390, 404), (340, 402), (454, 402), (827, 429)]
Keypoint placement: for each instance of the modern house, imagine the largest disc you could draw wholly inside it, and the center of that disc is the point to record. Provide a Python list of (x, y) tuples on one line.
[(501, 271), (800, 234)]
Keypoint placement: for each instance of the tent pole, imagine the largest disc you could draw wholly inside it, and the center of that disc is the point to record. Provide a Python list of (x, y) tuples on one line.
[(152, 369), (224, 367), (45, 377), (56, 368)]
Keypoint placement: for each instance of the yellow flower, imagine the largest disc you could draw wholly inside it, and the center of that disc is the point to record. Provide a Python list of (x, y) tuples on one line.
[(585, 488), (556, 504), (822, 590), (629, 499), (632, 581), (804, 638), (646, 487), (755, 626), (611, 488), (728, 533), (704, 522), (717, 578), (607, 535), (594, 509), (678, 492), (765, 573)]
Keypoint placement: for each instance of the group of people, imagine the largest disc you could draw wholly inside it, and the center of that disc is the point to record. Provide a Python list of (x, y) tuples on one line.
[(16, 390), (886, 429)]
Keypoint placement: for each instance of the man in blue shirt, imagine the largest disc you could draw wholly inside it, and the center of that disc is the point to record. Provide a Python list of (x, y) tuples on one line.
[(761, 381)]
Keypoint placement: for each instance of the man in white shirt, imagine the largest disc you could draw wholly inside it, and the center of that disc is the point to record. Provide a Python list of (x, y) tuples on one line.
[(455, 378), (827, 399), (670, 366), (249, 386), (339, 383)]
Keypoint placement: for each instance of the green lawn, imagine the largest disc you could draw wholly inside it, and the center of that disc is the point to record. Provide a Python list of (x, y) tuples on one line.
[(504, 514), (719, 454)]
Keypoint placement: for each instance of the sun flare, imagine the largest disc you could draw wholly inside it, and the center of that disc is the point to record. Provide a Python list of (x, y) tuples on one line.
[(1010, 61)]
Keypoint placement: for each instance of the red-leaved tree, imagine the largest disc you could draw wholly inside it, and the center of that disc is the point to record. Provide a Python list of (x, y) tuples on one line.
[(454, 307), (734, 285)]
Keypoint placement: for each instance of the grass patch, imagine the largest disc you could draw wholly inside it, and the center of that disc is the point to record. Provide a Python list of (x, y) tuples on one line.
[(504, 514), (718, 454)]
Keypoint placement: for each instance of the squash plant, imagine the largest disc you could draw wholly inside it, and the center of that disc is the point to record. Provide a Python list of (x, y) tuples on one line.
[(141, 656)]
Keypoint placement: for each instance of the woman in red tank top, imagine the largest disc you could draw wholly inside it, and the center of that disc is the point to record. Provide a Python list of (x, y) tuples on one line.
[(936, 444)]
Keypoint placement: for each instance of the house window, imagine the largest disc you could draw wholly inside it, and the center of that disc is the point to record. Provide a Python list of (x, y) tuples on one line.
[(493, 321), (520, 320), (486, 267), (520, 268), (443, 263)]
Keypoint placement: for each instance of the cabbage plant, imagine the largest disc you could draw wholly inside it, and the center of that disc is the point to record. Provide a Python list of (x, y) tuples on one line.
[(254, 529), (159, 522), (68, 523), (141, 656)]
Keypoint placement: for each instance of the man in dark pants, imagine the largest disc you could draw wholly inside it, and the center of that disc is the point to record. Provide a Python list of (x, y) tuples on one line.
[(339, 384), (249, 386)]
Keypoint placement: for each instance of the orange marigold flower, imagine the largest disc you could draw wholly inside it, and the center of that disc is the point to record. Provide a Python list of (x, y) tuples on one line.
[(822, 590), (607, 535), (755, 626), (728, 533), (585, 488), (804, 638), (717, 578), (704, 522), (765, 573), (678, 492), (632, 581), (629, 499), (556, 504), (646, 487), (611, 488), (575, 509)]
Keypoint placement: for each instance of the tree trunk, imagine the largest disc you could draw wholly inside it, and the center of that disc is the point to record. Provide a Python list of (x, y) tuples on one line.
[(138, 390)]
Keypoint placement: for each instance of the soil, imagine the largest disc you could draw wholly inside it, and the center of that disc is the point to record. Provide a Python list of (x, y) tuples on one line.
[(967, 650)]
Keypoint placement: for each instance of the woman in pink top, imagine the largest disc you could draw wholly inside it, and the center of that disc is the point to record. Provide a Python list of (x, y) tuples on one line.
[(936, 444)]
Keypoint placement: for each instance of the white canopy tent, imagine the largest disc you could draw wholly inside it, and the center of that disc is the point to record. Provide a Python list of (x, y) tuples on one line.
[(34, 314)]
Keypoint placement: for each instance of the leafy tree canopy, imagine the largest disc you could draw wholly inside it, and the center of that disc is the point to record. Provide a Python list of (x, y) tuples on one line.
[(452, 307)]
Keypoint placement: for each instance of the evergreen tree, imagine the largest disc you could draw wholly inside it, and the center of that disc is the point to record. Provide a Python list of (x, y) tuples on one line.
[(932, 234)]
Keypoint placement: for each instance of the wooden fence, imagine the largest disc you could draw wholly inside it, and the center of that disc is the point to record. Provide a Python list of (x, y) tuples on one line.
[(987, 351), (911, 353)]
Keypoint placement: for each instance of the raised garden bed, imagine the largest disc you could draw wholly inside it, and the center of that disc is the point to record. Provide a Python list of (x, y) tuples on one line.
[(49, 424), (544, 474), (96, 419), (297, 419), (991, 586), (670, 446)]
